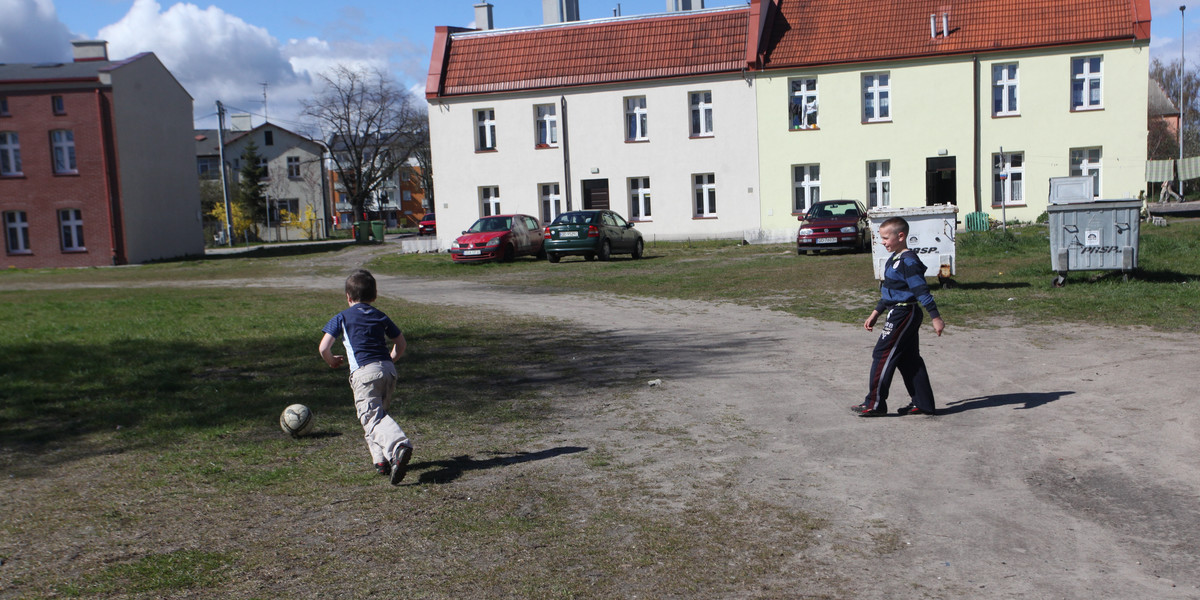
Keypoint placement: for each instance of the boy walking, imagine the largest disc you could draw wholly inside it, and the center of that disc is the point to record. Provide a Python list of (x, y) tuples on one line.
[(365, 332), (898, 346)]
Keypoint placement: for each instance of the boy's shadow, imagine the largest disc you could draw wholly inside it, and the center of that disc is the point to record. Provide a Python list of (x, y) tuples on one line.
[(453, 468), (1029, 400)]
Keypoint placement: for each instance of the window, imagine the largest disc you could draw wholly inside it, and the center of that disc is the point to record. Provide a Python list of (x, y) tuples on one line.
[(1086, 161), (702, 114), (485, 130), (877, 105), (489, 197), (10, 153), (1008, 179), (57, 105), (705, 187), (1004, 90), (636, 123), (545, 120), (1085, 83), (62, 146), (70, 224), (207, 167), (293, 167), (806, 187), (284, 210), (879, 183), (639, 199), (16, 232), (551, 202), (802, 105), (268, 138), (3, 107)]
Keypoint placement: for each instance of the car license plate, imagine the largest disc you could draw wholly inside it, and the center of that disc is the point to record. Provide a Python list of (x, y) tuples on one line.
[(826, 240), (472, 252), (563, 234)]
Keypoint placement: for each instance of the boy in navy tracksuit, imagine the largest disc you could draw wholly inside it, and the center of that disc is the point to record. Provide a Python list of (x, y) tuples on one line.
[(898, 346)]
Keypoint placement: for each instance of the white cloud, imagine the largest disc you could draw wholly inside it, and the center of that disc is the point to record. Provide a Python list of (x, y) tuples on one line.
[(30, 32)]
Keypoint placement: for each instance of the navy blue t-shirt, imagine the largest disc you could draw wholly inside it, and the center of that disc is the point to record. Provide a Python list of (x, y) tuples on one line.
[(364, 331)]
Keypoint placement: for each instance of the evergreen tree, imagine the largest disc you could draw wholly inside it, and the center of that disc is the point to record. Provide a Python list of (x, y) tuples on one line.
[(249, 189)]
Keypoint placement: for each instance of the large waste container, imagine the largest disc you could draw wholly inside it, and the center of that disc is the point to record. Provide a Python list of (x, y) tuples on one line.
[(931, 231), (1091, 236), (362, 231), (377, 230)]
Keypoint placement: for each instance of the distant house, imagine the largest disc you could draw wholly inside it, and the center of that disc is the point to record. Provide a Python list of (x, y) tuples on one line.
[(1160, 107), (399, 201), (96, 166), (294, 187)]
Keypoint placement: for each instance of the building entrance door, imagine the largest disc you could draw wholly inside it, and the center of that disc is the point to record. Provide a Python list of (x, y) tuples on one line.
[(940, 180), (595, 194)]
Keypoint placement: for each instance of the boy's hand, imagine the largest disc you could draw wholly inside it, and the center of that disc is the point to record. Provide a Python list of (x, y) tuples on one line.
[(869, 324), (336, 361), (938, 325)]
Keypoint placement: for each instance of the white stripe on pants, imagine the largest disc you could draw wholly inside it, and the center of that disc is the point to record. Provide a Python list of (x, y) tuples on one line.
[(373, 385)]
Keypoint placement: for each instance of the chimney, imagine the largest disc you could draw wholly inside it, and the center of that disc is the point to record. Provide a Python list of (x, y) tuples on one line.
[(682, 5), (559, 11), (90, 50), (483, 16), (240, 122)]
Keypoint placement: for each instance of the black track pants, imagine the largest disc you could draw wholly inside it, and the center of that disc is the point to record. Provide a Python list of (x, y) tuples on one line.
[(898, 347)]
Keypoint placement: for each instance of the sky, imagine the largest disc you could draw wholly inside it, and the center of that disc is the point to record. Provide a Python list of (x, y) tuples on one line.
[(227, 49)]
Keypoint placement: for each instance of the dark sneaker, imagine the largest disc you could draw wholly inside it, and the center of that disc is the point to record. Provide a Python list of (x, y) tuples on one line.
[(863, 411), (400, 463), (383, 468), (912, 409)]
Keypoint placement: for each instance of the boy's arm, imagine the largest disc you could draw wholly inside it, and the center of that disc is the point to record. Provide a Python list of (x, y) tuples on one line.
[(869, 324), (326, 349), (398, 347)]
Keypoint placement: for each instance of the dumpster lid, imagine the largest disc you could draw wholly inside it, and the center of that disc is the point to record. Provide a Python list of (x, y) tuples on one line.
[(887, 212)]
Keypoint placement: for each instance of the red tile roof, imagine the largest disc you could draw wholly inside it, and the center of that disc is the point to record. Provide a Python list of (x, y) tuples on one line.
[(806, 32), (584, 53)]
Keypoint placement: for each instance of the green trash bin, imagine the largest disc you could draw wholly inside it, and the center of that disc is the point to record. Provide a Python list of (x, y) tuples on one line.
[(362, 232), (377, 231)]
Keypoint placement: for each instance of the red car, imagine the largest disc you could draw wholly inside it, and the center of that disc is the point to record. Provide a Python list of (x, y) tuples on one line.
[(428, 225), (499, 237), (834, 225)]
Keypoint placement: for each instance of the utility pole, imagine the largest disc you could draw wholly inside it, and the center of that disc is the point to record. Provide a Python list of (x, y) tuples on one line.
[(1182, 110), (224, 178)]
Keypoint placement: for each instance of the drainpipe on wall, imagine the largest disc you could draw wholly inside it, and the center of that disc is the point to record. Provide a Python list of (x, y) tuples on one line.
[(566, 151), (978, 141), (112, 189)]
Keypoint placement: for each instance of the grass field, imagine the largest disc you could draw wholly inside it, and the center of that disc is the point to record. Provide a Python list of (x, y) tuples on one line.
[(140, 455)]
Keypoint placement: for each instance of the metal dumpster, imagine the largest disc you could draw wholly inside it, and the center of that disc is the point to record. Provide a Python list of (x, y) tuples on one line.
[(1092, 236), (931, 232)]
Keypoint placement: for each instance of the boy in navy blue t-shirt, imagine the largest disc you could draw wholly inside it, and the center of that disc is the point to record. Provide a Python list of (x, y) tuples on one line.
[(365, 332), (898, 347)]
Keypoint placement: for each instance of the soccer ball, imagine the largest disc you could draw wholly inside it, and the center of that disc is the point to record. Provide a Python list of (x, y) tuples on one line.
[(296, 420)]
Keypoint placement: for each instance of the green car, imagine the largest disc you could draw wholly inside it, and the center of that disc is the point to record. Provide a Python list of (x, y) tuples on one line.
[(591, 234)]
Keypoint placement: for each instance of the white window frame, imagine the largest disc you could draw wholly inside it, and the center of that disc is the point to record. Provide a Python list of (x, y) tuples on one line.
[(70, 228), (289, 205), (704, 187), (802, 103), (879, 183), (639, 199), (1090, 162), (551, 196), (485, 129), (806, 187), (1084, 81), (264, 168), (545, 119), (637, 119), (489, 200), (293, 167), (1008, 179), (1005, 85), (16, 232), (701, 108), (10, 154), (62, 151), (877, 97)]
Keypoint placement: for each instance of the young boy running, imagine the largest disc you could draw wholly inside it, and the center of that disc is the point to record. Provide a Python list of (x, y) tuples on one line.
[(365, 332), (898, 346)]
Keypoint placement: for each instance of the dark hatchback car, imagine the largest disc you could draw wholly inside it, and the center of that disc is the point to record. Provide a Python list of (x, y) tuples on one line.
[(428, 225), (499, 237), (834, 225), (591, 234)]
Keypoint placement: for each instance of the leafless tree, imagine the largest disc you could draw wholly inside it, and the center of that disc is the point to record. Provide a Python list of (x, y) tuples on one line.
[(371, 128), (424, 159)]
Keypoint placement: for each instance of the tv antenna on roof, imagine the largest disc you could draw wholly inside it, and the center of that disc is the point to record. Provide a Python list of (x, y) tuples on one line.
[(264, 84)]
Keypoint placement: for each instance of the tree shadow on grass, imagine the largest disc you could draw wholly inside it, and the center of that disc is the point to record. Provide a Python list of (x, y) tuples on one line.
[(1029, 400), (453, 468)]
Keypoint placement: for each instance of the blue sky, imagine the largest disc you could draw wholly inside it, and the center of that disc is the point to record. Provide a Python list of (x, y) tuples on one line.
[(226, 49)]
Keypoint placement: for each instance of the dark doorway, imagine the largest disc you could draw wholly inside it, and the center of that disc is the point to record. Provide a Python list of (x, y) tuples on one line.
[(595, 194), (940, 181)]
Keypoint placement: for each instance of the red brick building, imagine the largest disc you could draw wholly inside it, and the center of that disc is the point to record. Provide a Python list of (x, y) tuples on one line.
[(96, 162)]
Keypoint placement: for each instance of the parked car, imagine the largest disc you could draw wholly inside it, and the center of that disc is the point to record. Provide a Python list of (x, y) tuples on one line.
[(591, 234), (834, 225), (428, 225), (499, 237)]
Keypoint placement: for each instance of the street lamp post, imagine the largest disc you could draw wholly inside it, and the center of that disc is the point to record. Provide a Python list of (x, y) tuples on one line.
[(1182, 110)]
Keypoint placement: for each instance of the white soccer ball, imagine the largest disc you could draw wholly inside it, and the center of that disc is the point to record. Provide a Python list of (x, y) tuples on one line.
[(296, 420)]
